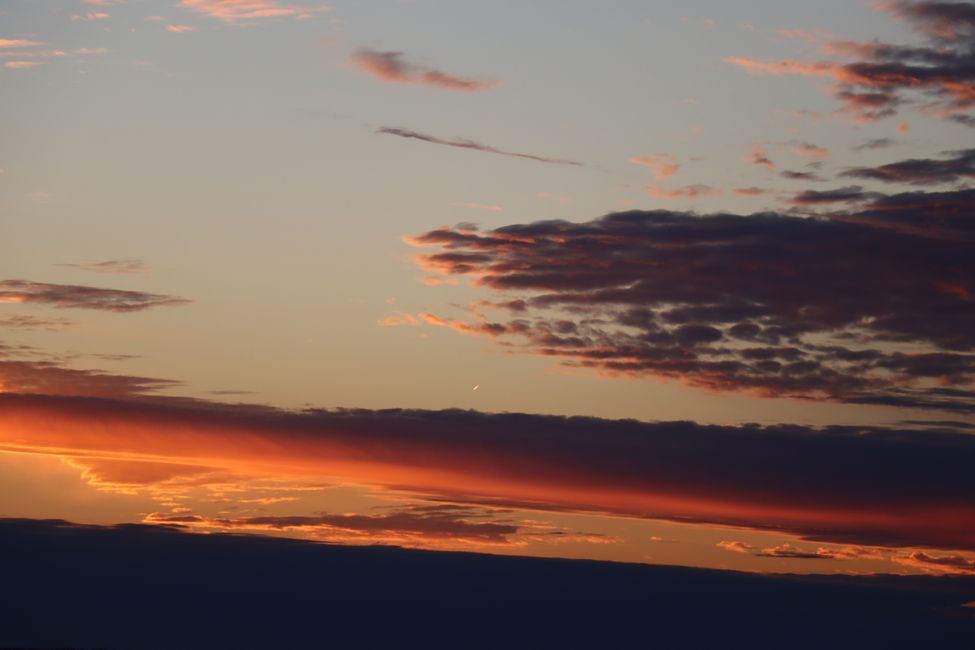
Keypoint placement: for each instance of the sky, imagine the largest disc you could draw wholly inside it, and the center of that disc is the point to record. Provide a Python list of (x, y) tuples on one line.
[(664, 282)]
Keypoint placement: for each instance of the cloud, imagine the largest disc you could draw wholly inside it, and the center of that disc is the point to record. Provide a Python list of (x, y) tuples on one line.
[(883, 77), (750, 191), (758, 156), (801, 176), (921, 171), (22, 65), (964, 120), (469, 144), (390, 66), (790, 551), (736, 547), (70, 296), (876, 143), (661, 165), (839, 484), (940, 564), (125, 266), (232, 11), (848, 194), (91, 16), (873, 305), (6, 43), (807, 150), (180, 29), (695, 191), (52, 377), (27, 322), (404, 526)]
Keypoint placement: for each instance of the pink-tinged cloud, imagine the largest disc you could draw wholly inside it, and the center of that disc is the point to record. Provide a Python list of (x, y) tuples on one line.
[(661, 165), (807, 150), (758, 155), (695, 191), (242, 10), (180, 29), (22, 65), (390, 66), (903, 128), (91, 16), (18, 42)]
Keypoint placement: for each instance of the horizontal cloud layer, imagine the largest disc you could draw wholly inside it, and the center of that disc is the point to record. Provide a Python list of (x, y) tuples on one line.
[(839, 485)]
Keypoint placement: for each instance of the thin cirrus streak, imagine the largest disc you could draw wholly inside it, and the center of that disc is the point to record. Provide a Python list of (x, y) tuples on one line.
[(463, 143), (390, 66), (72, 296), (876, 85), (126, 266), (241, 10), (741, 303), (837, 485)]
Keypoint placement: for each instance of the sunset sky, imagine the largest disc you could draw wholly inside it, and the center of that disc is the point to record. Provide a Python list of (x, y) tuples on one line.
[(667, 282)]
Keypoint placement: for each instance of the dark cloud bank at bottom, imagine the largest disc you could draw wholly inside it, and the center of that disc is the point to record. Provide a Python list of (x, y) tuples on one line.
[(132, 586)]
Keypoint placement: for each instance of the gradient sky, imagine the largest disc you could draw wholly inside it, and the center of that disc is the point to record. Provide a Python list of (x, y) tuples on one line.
[(216, 213)]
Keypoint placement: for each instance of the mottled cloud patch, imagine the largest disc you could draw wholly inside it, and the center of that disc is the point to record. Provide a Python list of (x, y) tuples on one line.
[(463, 143), (808, 150), (735, 546), (882, 77), (124, 267), (233, 11), (939, 564), (752, 303), (875, 143), (71, 296), (391, 66), (921, 171), (750, 191)]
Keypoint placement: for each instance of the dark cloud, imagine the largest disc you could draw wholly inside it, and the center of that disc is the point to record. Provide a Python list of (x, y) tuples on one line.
[(837, 485), (68, 585), (921, 171), (72, 296), (126, 266), (52, 377), (964, 120), (876, 143), (882, 77), (848, 194), (470, 144), (778, 305), (952, 564), (390, 66), (790, 551), (801, 176)]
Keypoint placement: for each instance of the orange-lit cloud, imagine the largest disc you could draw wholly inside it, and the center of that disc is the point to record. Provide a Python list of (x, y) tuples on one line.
[(22, 65), (390, 66), (837, 485), (661, 165), (70, 296), (180, 29), (18, 42)]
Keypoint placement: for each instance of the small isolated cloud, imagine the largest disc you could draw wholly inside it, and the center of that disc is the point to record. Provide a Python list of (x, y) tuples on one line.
[(22, 65), (789, 551), (793, 175), (808, 150), (91, 16), (180, 29), (661, 165), (233, 11), (463, 143), (875, 143), (735, 547), (69, 296), (750, 191), (695, 191), (390, 66), (126, 266), (758, 155)]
